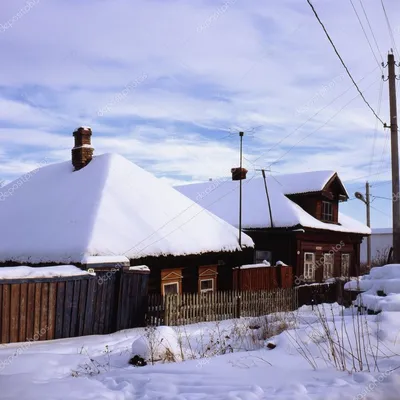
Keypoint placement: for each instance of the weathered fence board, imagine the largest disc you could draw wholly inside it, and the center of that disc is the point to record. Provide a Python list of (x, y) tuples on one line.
[(189, 308)]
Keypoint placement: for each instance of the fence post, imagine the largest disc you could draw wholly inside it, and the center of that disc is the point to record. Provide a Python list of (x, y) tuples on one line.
[(238, 304)]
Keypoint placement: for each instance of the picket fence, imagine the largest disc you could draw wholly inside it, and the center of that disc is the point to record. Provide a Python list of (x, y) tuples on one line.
[(189, 308)]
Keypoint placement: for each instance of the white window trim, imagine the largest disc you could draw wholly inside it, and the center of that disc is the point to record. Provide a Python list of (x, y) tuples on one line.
[(207, 290), (348, 265), (330, 215), (329, 274), (171, 283), (308, 277)]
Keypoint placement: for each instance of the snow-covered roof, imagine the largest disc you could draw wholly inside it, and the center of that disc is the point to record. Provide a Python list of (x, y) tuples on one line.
[(110, 207), (223, 201), (58, 271), (305, 182)]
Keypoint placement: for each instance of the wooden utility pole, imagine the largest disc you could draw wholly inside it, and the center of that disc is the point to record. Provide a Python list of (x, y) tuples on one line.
[(395, 158), (368, 207)]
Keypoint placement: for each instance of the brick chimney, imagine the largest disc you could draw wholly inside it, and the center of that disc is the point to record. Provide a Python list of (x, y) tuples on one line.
[(82, 153)]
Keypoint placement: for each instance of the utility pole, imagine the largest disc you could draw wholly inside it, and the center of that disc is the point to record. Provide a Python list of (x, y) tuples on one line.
[(367, 201), (240, 191), (368, 204), (238, 174), (395, 158)]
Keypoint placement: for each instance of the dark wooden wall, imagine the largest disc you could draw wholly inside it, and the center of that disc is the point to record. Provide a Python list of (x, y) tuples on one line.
[(190, 264)]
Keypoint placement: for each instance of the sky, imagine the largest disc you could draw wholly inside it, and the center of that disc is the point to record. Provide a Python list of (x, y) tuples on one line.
[(170, 83)]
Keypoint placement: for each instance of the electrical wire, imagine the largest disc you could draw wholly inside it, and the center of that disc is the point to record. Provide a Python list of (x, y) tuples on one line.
[(370, 28), (365, 34), (376, 126), (344, 65), (316, 130), (390, 28)]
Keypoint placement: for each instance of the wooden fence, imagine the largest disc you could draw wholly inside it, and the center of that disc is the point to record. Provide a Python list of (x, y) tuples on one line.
[(263, 278), (189, 308), (55, 308), (324, 293)]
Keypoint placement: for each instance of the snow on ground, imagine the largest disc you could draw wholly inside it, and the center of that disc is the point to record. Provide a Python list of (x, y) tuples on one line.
[(96, 367), (381, 288)]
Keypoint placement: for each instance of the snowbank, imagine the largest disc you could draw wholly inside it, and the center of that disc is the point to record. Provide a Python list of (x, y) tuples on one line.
[(381, 288)]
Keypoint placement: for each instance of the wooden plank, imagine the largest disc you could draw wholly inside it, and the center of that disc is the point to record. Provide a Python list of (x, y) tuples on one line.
[(60, 302), (81, 306), (69, 293), (74, 309), (89, 307), (108, 305), (14, 313), (1, 312), (51, 321), (44, 313), (22, 312), (37, 310), (5, 334), (30, 311)]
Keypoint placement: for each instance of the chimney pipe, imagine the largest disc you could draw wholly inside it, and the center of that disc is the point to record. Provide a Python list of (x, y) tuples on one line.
[(82, 153)]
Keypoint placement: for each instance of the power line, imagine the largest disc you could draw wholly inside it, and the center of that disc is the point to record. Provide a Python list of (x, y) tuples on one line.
[(330, 119), (365, 33), (370, 28), (310, 118), (376, 126), (344, 65), (390, 28)]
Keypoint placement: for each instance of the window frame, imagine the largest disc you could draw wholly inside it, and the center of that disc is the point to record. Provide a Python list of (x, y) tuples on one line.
[(348, 264), (206, 290), (176, 283), (332, 266), (327, 216), (307, 276)]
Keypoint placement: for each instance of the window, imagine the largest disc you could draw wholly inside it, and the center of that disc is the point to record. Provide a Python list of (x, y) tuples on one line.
[(328, 265), (206, 285), (262, 255), (170, 288), (309, 266), (345, 264), (327, 211)]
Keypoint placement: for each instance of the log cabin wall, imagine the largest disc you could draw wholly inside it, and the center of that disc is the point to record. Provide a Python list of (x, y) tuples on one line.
[(319, 242), (225, 261)]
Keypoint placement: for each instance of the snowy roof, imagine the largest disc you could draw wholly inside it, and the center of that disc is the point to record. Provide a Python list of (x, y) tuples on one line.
[(222, 200), (305, 182), (110, 207), (40, 272)]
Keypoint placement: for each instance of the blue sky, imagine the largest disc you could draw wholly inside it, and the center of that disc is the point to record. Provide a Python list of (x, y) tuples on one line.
[(179, 79)]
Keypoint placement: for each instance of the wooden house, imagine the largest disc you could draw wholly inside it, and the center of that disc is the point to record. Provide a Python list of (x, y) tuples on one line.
[(107, 206), (294, 218)]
